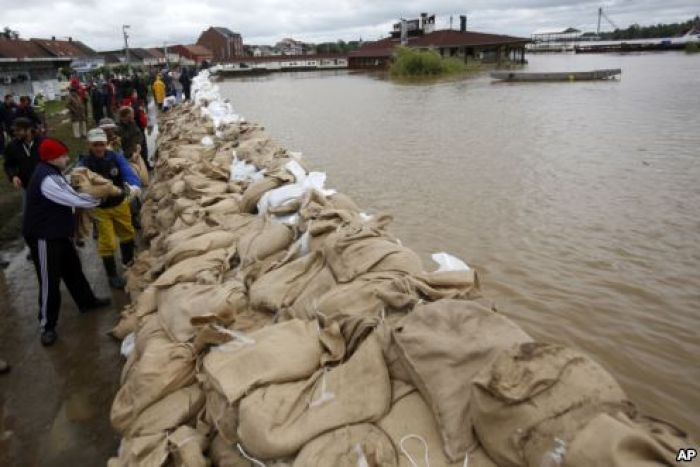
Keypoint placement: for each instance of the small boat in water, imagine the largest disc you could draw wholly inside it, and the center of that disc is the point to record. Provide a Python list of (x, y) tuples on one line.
[(556, 76)]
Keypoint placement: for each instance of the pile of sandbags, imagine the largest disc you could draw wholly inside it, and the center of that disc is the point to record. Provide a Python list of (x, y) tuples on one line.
[(274, 323)]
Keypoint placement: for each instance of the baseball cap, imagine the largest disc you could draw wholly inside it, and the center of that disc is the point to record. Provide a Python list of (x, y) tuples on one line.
[(97, 135)]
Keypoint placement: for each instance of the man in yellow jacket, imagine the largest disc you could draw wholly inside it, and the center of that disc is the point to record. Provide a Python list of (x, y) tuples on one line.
[(159, 91)]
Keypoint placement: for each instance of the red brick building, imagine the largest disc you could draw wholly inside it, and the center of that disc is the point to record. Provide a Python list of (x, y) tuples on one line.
[(223, 43)]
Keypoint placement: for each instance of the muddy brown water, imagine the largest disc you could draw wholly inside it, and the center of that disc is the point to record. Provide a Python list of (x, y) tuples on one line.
[(578, 203)]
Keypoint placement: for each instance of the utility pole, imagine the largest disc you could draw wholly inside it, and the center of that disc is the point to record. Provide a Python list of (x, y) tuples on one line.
[(126, 42), (600, 13)]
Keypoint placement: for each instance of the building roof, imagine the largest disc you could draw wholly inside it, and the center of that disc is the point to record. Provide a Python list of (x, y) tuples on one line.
[(60, 48), (19, 49), (440, 38), (198, 50), (156, 52), (141, 54), (277, 58), (225, 31), (556, 31)]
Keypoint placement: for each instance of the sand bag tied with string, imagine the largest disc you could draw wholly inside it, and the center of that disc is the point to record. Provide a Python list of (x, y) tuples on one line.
[(276, 421), (280, 353), (444, 345), (535, 397), (350, 446)]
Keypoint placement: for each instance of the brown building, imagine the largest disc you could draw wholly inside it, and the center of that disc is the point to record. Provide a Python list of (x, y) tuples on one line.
[(223, 43), (194, 52), (462, 44)]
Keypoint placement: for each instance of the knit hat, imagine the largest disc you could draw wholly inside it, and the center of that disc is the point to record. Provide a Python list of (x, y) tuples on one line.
[(97, 135), (50, 149), (107, 123)]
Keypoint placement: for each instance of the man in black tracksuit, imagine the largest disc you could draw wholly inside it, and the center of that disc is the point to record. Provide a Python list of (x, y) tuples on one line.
[(48, 227), (22, 154)]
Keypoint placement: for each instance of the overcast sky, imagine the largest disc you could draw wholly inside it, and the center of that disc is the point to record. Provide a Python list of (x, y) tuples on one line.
[(99, 23)]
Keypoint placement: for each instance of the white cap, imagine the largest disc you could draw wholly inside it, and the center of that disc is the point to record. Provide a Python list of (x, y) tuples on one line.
[(97, 135)]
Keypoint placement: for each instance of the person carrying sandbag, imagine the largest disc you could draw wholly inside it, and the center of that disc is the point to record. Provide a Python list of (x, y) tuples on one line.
[(47, 227), (113, 215)]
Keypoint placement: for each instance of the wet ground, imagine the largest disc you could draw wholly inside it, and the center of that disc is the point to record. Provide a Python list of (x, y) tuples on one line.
[(54, 404)]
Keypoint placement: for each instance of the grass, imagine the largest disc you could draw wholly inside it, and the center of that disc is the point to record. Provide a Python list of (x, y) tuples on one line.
[(410, 63), (692, 48), (59, 127)]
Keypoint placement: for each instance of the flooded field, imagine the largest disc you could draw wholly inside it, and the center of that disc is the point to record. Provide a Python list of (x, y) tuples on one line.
[(578, 203)]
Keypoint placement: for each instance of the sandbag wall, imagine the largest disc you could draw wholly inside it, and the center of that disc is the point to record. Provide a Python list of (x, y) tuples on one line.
[(273, 322)]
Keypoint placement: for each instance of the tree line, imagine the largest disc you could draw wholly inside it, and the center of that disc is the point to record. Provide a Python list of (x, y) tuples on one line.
[(636, 31)]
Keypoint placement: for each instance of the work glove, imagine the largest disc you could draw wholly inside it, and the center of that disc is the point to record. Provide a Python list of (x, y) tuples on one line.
[(132, 192)]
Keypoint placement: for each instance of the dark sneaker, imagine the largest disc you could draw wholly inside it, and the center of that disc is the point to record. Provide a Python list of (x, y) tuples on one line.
[(116, 282), (4, 367), (97, 304), (48, 337)]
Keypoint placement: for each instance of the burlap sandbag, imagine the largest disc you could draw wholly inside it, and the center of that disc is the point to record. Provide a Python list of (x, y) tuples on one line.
[(187, 447), (277, 420), (163, 367), (222, 415), (139, 167), (179, 304), (251, 196), (350, 446), (86, 181), (196, 246), (444, 345), (225, 454), (534, 393), (168, 413), (411, 421), (616, 440), (280, 287), (355, 250), (204, 269), (265, 238), (143, 451), (283, 352)]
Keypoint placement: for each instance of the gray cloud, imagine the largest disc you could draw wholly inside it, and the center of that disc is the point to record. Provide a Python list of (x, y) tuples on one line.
[(98, 23)]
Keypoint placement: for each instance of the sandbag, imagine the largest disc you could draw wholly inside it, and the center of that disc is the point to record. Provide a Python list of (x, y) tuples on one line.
[(199, 245), (86, 181), (280, 287), (139, 167), (616, 440), (283, 352), (144, 451), (168, 413), (350, 446), (277, 420), (204, 269), (534, 393), (187, 447), (444, 345), (411, 421), (252, 195), (263, 239), (182, 302), (163, 367)]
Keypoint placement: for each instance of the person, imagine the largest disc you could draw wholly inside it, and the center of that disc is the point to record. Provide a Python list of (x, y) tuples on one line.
[(25, 110), (8, 113), (77, 114), (129, 132), (22, 154), (175, 76), (186, 82), (114, 142), (39, 105), (97, 100), (159, 91), (113, 216), (47, 227)]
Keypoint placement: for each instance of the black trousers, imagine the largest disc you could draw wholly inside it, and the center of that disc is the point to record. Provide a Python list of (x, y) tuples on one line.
[(54, 260)]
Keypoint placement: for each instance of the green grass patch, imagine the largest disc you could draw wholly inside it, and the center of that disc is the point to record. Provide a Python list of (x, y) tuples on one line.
[(692, 47), (413, 63)]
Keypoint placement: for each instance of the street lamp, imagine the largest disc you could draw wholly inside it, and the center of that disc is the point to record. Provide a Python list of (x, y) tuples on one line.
[(126, 42)]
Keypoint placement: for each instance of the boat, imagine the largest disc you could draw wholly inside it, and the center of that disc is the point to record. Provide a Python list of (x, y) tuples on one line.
[(556, 76)]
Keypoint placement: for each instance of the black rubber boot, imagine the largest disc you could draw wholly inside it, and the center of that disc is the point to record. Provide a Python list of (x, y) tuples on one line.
[(115, 281), (48, 337), (95, 305), (127, 249)]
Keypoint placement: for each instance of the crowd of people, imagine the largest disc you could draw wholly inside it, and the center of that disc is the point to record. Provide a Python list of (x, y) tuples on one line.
[(116, 149)]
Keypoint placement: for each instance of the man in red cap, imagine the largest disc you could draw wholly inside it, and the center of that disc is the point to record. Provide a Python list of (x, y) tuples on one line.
[(48, 227)]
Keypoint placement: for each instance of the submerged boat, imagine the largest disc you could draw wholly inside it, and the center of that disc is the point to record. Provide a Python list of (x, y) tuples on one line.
[(556, 76)]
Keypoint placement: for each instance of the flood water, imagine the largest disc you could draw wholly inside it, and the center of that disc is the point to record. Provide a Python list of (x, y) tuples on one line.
[(577, 203)]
